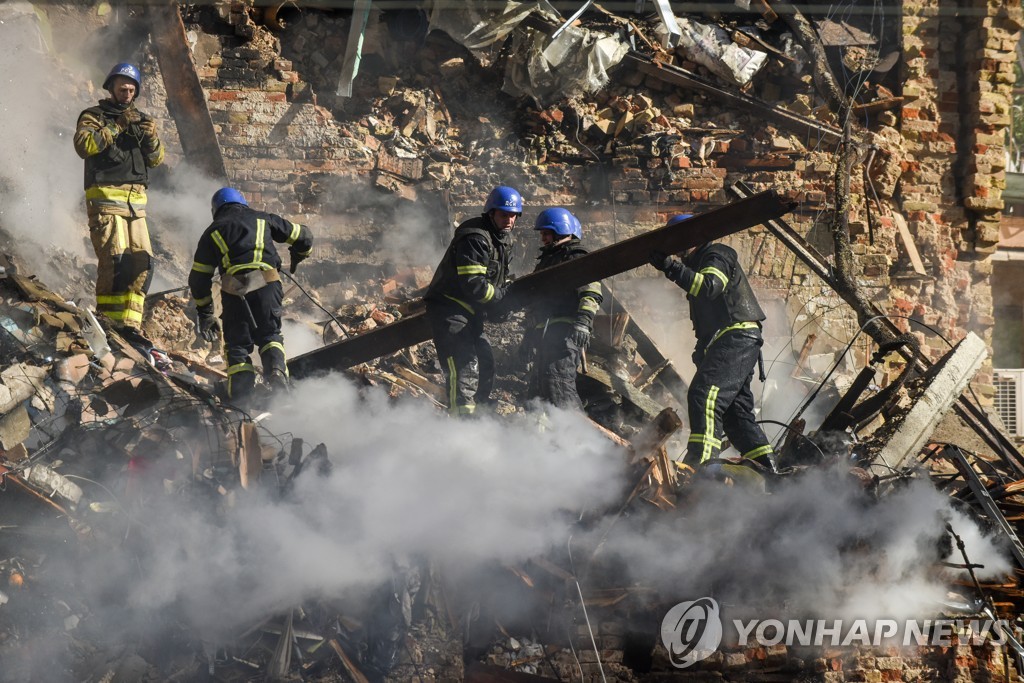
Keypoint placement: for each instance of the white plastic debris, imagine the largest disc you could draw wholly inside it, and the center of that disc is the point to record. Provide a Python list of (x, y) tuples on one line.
[(711, 46), (95, 336)]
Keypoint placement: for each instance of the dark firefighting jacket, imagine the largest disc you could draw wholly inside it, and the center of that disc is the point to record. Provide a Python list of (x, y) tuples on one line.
[(573, 306), (720, 297), (474, 268), (115, 158), (241, 239)]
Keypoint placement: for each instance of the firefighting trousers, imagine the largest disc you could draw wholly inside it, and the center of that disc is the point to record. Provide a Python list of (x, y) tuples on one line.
[(252, 320), (465, 356), (555, 365), (720, 399), (125, 265)]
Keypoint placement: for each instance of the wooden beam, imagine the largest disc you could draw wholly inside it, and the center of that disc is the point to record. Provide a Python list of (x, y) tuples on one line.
[(597, 265), (185, 98)]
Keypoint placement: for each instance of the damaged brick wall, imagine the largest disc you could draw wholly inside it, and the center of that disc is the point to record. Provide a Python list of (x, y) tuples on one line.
[(627, 157)]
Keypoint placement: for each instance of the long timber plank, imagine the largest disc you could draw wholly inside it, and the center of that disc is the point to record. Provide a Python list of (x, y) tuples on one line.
[(597, 265)]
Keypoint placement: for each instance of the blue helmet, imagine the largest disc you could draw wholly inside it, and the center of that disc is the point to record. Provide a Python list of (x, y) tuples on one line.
[(577, 227), (558, 220), (678, 218), (128, 71), (504, 198), (226, 195)]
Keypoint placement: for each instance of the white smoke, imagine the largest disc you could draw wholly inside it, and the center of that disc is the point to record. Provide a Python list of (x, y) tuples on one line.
[(41, 195), (406, 480), (818, 547)]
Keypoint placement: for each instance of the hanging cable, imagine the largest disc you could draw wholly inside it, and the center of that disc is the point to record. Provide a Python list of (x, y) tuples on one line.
[(302, 289)]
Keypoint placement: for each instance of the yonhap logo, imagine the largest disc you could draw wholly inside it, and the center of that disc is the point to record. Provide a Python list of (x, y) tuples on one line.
[(691, 631)]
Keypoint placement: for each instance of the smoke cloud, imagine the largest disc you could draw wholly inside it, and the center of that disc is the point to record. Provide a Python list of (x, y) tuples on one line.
[(817, 547), (41, 200), (406, 480)]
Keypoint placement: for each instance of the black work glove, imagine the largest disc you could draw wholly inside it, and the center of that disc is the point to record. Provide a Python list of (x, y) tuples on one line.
[(297, 258), (208, 327), (580, 336), (499, 293), (660, 260), (528, 347)]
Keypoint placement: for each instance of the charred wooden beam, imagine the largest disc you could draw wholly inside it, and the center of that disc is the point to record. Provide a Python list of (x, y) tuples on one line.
[(802, 125), (185, 99), (597, 265)]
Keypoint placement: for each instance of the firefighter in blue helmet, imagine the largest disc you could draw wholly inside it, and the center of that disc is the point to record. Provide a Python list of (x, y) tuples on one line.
[(119, 144), (559, 323), (727, 322), (240, 244), (470, 283)]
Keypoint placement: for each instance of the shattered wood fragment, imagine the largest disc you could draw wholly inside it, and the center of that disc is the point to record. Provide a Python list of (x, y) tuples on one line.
[(281, 660), (805, 351), (610, 435), (250, 455), (876, 106), (763, 162), (645, 378), (420, 381), (908, 243), (654, 435), (350, 668), (521, 574), (552, 568), (606, 597), (624, 388)]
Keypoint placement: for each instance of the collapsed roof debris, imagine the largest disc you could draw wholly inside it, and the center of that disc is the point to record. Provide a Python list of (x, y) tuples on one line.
[(92, 436)]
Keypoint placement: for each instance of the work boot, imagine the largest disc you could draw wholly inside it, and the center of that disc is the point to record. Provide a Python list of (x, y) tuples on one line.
[(278, 381)]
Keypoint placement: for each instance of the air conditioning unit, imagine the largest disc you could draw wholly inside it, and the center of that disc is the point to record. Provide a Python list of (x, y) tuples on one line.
[(1009, 403)]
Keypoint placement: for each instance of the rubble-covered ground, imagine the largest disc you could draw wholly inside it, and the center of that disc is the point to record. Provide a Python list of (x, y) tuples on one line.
[(350, 531)]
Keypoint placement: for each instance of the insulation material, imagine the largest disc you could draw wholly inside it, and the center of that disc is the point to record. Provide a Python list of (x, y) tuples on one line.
[(479, 27), (711, 47), (576, 62)]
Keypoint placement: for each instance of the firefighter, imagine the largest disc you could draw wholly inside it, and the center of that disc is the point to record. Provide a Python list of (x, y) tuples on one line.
[(468, 285), (240, 244), (119, 144), (559, 324), (727, 322)]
